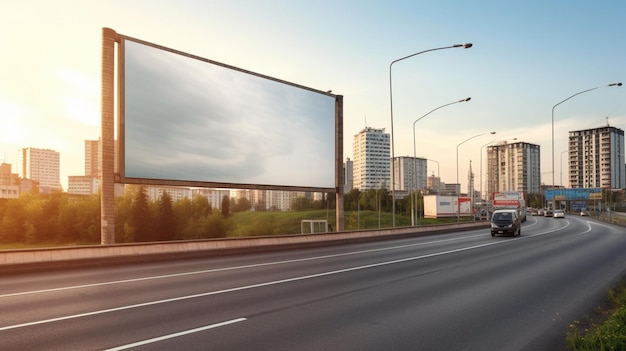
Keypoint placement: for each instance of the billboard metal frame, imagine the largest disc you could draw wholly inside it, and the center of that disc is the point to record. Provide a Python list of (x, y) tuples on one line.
[(113, 99)]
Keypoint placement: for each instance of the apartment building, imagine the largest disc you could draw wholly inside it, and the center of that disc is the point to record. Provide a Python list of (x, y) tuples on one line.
[(596, 158), (9, 182), (410, 173), (89, 183), (513, 167), (371, 166), (42, 166)]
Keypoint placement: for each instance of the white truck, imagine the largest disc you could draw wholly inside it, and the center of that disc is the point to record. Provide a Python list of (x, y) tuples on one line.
[(510, 200), (439, 206)]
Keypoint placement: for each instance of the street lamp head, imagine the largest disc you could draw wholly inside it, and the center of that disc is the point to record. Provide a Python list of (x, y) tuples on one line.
[(464, 46), (617, 84), (466, 99), (492, 133)]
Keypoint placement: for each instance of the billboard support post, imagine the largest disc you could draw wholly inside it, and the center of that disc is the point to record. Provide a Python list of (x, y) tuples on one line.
[(107, 190), (339, 174)]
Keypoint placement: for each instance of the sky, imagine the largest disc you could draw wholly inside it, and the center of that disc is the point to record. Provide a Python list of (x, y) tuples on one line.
[(527, 57)]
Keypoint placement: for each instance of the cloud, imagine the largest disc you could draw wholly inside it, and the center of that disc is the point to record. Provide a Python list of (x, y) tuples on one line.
[(186, 119)]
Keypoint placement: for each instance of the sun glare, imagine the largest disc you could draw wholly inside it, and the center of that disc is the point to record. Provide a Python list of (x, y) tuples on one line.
[(11, 129)]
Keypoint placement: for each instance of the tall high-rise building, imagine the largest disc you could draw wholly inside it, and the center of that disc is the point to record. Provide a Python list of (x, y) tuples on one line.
[(9, 182), (347, 176), (43, 166), (92, 158), (410, 173), (434, 184), (89, 183), (5, 173), (513, 167), (93, 161), (596, 158), (371, 159)]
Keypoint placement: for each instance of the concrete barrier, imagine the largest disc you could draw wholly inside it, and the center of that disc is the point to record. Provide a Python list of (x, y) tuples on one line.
[(13, 261)]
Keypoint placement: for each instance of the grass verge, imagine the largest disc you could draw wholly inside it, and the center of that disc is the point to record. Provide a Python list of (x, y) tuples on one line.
[(606, 330)]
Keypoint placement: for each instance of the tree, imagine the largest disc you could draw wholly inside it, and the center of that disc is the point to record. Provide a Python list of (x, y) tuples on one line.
[(34, 213), (301, 203), (12, 219), (200, 206), (535, 200), (140, 217), (242, 205), (52, 204), (124, 233), (351, 199), (225, 206), (166, 220)]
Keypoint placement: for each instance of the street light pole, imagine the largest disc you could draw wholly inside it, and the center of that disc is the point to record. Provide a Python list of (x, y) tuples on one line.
[(413, 210), (562, 152), (553, 107), (458, 185), (393, 173)]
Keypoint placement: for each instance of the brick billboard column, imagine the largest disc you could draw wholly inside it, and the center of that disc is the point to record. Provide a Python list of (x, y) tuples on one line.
[(339, 175), (107, 197)]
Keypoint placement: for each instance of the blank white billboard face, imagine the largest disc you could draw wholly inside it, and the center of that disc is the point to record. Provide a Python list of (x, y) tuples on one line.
[(188, 119)]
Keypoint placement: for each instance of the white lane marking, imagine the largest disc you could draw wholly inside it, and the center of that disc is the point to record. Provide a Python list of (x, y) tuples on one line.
[(230, 268), (602, 225), (588, 228), (175, 335), (535, 222), (239, 267), (259, 285)]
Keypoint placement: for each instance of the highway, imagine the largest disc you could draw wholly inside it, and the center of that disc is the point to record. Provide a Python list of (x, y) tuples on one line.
[(454, 291)]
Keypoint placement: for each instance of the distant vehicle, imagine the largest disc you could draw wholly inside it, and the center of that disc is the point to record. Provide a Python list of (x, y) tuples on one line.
[(584, 213), (482, 215), (506, 222), (440, 206), (540, 212), (559, 214), (504, 200), (548, 213)]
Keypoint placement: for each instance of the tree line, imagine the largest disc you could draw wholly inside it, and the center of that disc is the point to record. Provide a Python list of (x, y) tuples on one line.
[(61, 218)]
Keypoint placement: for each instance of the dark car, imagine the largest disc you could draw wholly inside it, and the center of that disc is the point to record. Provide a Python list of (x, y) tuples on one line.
[(506, 222)]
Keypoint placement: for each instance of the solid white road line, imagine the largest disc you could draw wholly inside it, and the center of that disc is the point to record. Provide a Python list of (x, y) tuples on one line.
[(227, 268), (270, 283), (175, 335)]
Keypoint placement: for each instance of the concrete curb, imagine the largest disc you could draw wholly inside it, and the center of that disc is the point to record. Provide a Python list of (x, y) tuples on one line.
[(29, 260)]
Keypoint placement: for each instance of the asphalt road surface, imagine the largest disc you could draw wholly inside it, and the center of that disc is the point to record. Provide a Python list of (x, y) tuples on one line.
[(457, 291)]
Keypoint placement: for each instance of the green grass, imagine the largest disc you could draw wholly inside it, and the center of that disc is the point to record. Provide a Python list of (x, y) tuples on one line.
[(251, 223), (606, 331)]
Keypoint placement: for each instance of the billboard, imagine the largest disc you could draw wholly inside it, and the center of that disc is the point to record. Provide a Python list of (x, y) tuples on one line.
[(186, 120), (574, 194), (504, 199)]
